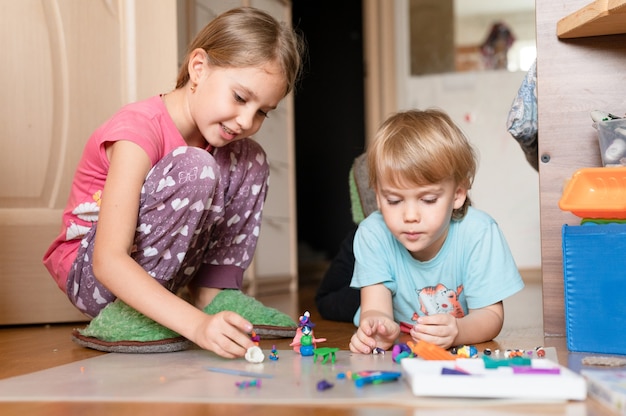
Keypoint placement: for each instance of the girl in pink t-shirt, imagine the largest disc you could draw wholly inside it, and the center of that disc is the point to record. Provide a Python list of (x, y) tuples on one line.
[(169, 191)]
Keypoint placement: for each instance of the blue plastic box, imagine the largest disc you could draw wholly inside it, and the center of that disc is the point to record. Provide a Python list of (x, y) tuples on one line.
[(594, 270)]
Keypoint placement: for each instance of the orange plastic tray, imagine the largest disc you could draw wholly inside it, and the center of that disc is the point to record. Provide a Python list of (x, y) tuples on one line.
[(596, 193)]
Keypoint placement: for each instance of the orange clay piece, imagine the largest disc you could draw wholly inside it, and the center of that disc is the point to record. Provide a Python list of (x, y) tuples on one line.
[(430, 351)]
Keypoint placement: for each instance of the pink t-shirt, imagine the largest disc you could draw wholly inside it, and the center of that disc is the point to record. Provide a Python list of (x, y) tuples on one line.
[(146, 123)]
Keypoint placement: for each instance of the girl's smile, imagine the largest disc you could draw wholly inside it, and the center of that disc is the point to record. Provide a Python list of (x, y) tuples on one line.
[(228, 133)]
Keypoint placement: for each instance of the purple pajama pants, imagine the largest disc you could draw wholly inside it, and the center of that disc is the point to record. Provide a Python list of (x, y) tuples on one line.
[(199, 222)]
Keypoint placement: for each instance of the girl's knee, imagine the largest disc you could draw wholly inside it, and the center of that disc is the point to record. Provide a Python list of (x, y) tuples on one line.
[(193, 170), (257, 157), (246, 155)]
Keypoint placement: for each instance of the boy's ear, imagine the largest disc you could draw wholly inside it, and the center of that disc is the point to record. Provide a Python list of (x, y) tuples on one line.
[(196, 66), (378, 200), (460, 195)]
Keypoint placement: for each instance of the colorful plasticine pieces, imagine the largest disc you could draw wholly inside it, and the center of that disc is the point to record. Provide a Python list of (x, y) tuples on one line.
[(400, 351), (429, 351), (506, 362), (252, 383), (324, 385), (467, 351), (362, 378)]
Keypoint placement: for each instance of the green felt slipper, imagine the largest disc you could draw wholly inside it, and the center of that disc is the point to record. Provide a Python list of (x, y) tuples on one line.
[(268, 322), (120, 328)]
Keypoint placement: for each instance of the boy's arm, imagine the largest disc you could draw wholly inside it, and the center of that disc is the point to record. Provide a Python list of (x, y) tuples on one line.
[(444, 330), (376, 325), (376, 302), (480, 325)]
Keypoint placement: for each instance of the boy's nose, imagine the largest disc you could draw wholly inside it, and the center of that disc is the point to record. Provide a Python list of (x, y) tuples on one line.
[(412, 215)]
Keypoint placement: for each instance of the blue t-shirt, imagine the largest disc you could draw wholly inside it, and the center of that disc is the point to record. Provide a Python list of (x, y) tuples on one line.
[(473, 269)]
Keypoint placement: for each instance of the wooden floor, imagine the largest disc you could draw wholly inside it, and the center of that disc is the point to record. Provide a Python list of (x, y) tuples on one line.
[(27, 349)]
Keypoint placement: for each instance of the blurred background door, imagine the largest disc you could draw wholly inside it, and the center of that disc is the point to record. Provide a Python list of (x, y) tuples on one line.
[(67, 66)]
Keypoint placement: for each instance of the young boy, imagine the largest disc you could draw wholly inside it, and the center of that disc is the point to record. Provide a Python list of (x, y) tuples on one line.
[(427, 262)]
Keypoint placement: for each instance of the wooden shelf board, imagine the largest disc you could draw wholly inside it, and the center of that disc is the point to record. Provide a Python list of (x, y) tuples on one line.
[(601, 17)]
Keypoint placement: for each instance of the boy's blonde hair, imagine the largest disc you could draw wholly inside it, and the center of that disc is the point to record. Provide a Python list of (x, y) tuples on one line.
[(420, 148), (248, 37)]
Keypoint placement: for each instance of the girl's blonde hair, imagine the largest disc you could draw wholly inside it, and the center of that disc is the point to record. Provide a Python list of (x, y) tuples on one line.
[(421, 148), (248, 37)]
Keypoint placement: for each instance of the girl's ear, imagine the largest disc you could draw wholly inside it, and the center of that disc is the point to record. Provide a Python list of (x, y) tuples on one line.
[(197, 64), (460, 195)]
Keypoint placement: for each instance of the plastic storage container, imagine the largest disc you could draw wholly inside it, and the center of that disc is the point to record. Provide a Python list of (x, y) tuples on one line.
[(594, 271), (596, 193), (612, 139)]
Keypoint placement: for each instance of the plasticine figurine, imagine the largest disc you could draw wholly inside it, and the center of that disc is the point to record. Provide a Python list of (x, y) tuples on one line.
[(304, 342), (274, 354), (255, 337)]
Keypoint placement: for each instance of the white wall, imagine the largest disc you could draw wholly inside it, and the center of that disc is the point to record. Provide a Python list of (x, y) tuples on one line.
[(506, 186)]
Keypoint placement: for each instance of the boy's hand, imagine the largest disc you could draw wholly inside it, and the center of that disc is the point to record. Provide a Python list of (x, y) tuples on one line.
[(225, 333), (374, 332), (440, 329)]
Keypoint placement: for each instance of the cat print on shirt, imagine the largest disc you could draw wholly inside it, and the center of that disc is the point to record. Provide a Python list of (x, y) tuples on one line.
[(440, 299)]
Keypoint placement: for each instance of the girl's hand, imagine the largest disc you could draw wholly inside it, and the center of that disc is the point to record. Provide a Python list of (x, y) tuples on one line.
[(225, 333), (440, 329), (374, 332)]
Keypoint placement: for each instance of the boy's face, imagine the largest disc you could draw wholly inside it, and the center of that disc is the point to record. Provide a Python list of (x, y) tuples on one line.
[(419, 216)]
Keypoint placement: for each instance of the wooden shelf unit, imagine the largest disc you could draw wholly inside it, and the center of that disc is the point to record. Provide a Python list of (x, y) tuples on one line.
[(574, 77), (601, 17)]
